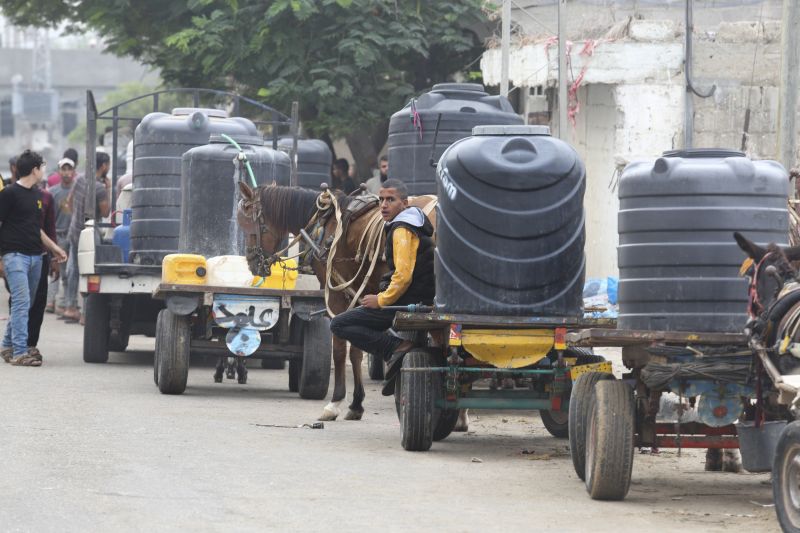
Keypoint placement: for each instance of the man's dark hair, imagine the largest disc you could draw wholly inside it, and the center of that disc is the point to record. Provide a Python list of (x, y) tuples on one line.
[(384, 158), (342, 165), (71, 153), (101, 159), (27, 161), (397, 185)]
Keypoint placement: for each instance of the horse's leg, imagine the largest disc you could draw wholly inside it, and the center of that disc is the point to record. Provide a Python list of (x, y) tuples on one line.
[(463, 420), (332, 410), (713, 460), (241, 370), (220, 369), (356, 410)]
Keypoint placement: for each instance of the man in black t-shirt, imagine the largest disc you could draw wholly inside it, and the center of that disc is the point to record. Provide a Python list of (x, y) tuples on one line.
[(21, 241)]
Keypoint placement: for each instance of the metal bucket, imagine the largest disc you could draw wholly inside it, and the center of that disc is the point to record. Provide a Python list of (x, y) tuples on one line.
[(757, 445)]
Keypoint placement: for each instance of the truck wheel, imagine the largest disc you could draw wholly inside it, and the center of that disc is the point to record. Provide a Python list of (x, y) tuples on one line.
[(417, 403), (315, 371), (555, 422), (609, 441), (273, 364), (174, 344), (95, 333), (786, 478), (579, 408), (157, 350), (375, 367)]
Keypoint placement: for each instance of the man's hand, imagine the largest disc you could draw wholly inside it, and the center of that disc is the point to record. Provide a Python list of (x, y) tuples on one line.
[(59, 254), (370, 301), (2, 269), (55, 270)]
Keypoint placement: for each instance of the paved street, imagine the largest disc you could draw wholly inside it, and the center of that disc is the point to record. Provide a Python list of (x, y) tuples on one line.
[(97, 448)]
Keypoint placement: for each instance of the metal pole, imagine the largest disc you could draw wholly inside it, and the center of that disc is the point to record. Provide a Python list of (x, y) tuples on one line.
[(90, 206), (688, 102), (787, 100), (295, 130), (505, 44), (562, 69)]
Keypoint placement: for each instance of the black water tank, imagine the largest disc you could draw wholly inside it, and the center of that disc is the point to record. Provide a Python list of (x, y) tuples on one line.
[(314, 161), (159, 142), (678, 262), (210, 192), (510, 224), (462, 106)]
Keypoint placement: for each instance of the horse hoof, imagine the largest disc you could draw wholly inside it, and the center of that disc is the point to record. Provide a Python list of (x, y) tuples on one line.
[(354, 415), (327, 416), (461, 428)]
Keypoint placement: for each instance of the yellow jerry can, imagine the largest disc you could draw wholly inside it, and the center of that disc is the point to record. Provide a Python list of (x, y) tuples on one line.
[(184, 269), (283, 276)]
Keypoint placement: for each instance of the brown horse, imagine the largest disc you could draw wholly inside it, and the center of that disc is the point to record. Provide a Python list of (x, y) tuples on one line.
[(267, 215)]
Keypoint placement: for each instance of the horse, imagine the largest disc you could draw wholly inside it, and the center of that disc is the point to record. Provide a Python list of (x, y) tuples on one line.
[(268, 214)]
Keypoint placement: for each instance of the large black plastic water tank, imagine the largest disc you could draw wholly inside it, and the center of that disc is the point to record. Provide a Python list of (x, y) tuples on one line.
[(462, 106), (510, 224), (159, 142), (210, 192), (678, 262), (314, 161)]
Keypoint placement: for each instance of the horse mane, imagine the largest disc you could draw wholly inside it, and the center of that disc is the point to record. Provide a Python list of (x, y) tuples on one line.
[(290, 208)]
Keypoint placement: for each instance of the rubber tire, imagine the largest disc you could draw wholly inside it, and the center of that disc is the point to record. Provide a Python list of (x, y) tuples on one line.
[(417, 412), (315, 373), (375, 367), (559, 430), (273, 364), (96, 330), (610, 441), (174, 341), (787, 449), (294, 375), (580, 401)]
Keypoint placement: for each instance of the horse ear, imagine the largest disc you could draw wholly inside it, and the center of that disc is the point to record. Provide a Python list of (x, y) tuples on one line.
[(752, 250), (793, 253), (247, 192)]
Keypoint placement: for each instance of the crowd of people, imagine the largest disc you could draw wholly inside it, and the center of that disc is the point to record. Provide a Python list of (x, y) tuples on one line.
[(41, 218)]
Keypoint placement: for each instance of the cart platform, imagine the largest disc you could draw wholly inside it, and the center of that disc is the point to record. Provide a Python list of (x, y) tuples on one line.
[(404, 321), (165, 289), (633, 337)]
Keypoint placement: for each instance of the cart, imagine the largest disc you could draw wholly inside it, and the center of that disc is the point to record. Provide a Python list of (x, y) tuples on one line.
[(437, 381), (237, 323), (714, 378)]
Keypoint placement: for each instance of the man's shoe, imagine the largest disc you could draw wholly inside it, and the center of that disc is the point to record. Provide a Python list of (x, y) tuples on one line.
[(7, 354), (50, 308), (28, 359)]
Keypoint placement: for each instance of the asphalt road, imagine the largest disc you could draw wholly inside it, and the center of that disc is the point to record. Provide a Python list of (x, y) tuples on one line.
[(97, 448)]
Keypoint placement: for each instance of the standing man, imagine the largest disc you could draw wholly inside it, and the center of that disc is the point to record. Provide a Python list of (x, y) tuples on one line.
[(77, 200), (21, 239), (61, 192), (340, 176), (374, 184), (410, 279), (55, 178)]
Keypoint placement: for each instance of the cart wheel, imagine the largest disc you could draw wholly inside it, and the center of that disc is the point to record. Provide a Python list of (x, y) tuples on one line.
[(95, 333), (295, 366), (786, 478), (555, 422), (174, 343), (580, 401), (273, 364), (417, 403), (609, 441), (375, 367), (315, 371), (157, 350)]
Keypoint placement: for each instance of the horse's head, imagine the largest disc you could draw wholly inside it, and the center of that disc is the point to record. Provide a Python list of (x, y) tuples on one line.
[(262, 239), (768, 270)]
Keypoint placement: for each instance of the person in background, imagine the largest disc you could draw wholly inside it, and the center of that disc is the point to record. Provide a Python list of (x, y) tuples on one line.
[(61, 192), (340, 177), (55, 178), (12, 167), (76, 202), (374, 184), (21, 240)]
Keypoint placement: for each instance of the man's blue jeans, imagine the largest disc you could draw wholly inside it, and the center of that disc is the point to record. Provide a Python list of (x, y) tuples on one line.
[(22, 273)]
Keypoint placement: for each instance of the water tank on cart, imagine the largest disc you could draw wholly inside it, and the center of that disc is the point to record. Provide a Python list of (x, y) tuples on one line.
[(210, 192), (510, 224), (411, 130), (314, 160), (678, 262), (160, 141)]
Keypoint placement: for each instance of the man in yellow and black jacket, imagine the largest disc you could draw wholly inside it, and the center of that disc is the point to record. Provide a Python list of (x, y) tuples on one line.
[(410, 279)]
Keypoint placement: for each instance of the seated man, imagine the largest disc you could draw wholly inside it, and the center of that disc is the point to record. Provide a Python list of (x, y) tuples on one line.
[(410, 279)]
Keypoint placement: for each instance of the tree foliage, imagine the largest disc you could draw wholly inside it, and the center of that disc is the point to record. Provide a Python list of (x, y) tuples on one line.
[(350, 63)]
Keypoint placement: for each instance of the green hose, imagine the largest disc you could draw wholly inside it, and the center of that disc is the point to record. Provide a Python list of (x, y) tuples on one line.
[(246, 162)]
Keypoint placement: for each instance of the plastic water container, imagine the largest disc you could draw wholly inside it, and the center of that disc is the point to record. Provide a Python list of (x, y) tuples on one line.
[(283, 276), (122, 235), (229, 271), (757, 444), (184, 269)]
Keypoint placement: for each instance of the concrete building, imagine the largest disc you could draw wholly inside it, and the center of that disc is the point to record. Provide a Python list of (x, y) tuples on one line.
[(44, 75), (627, 87)]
